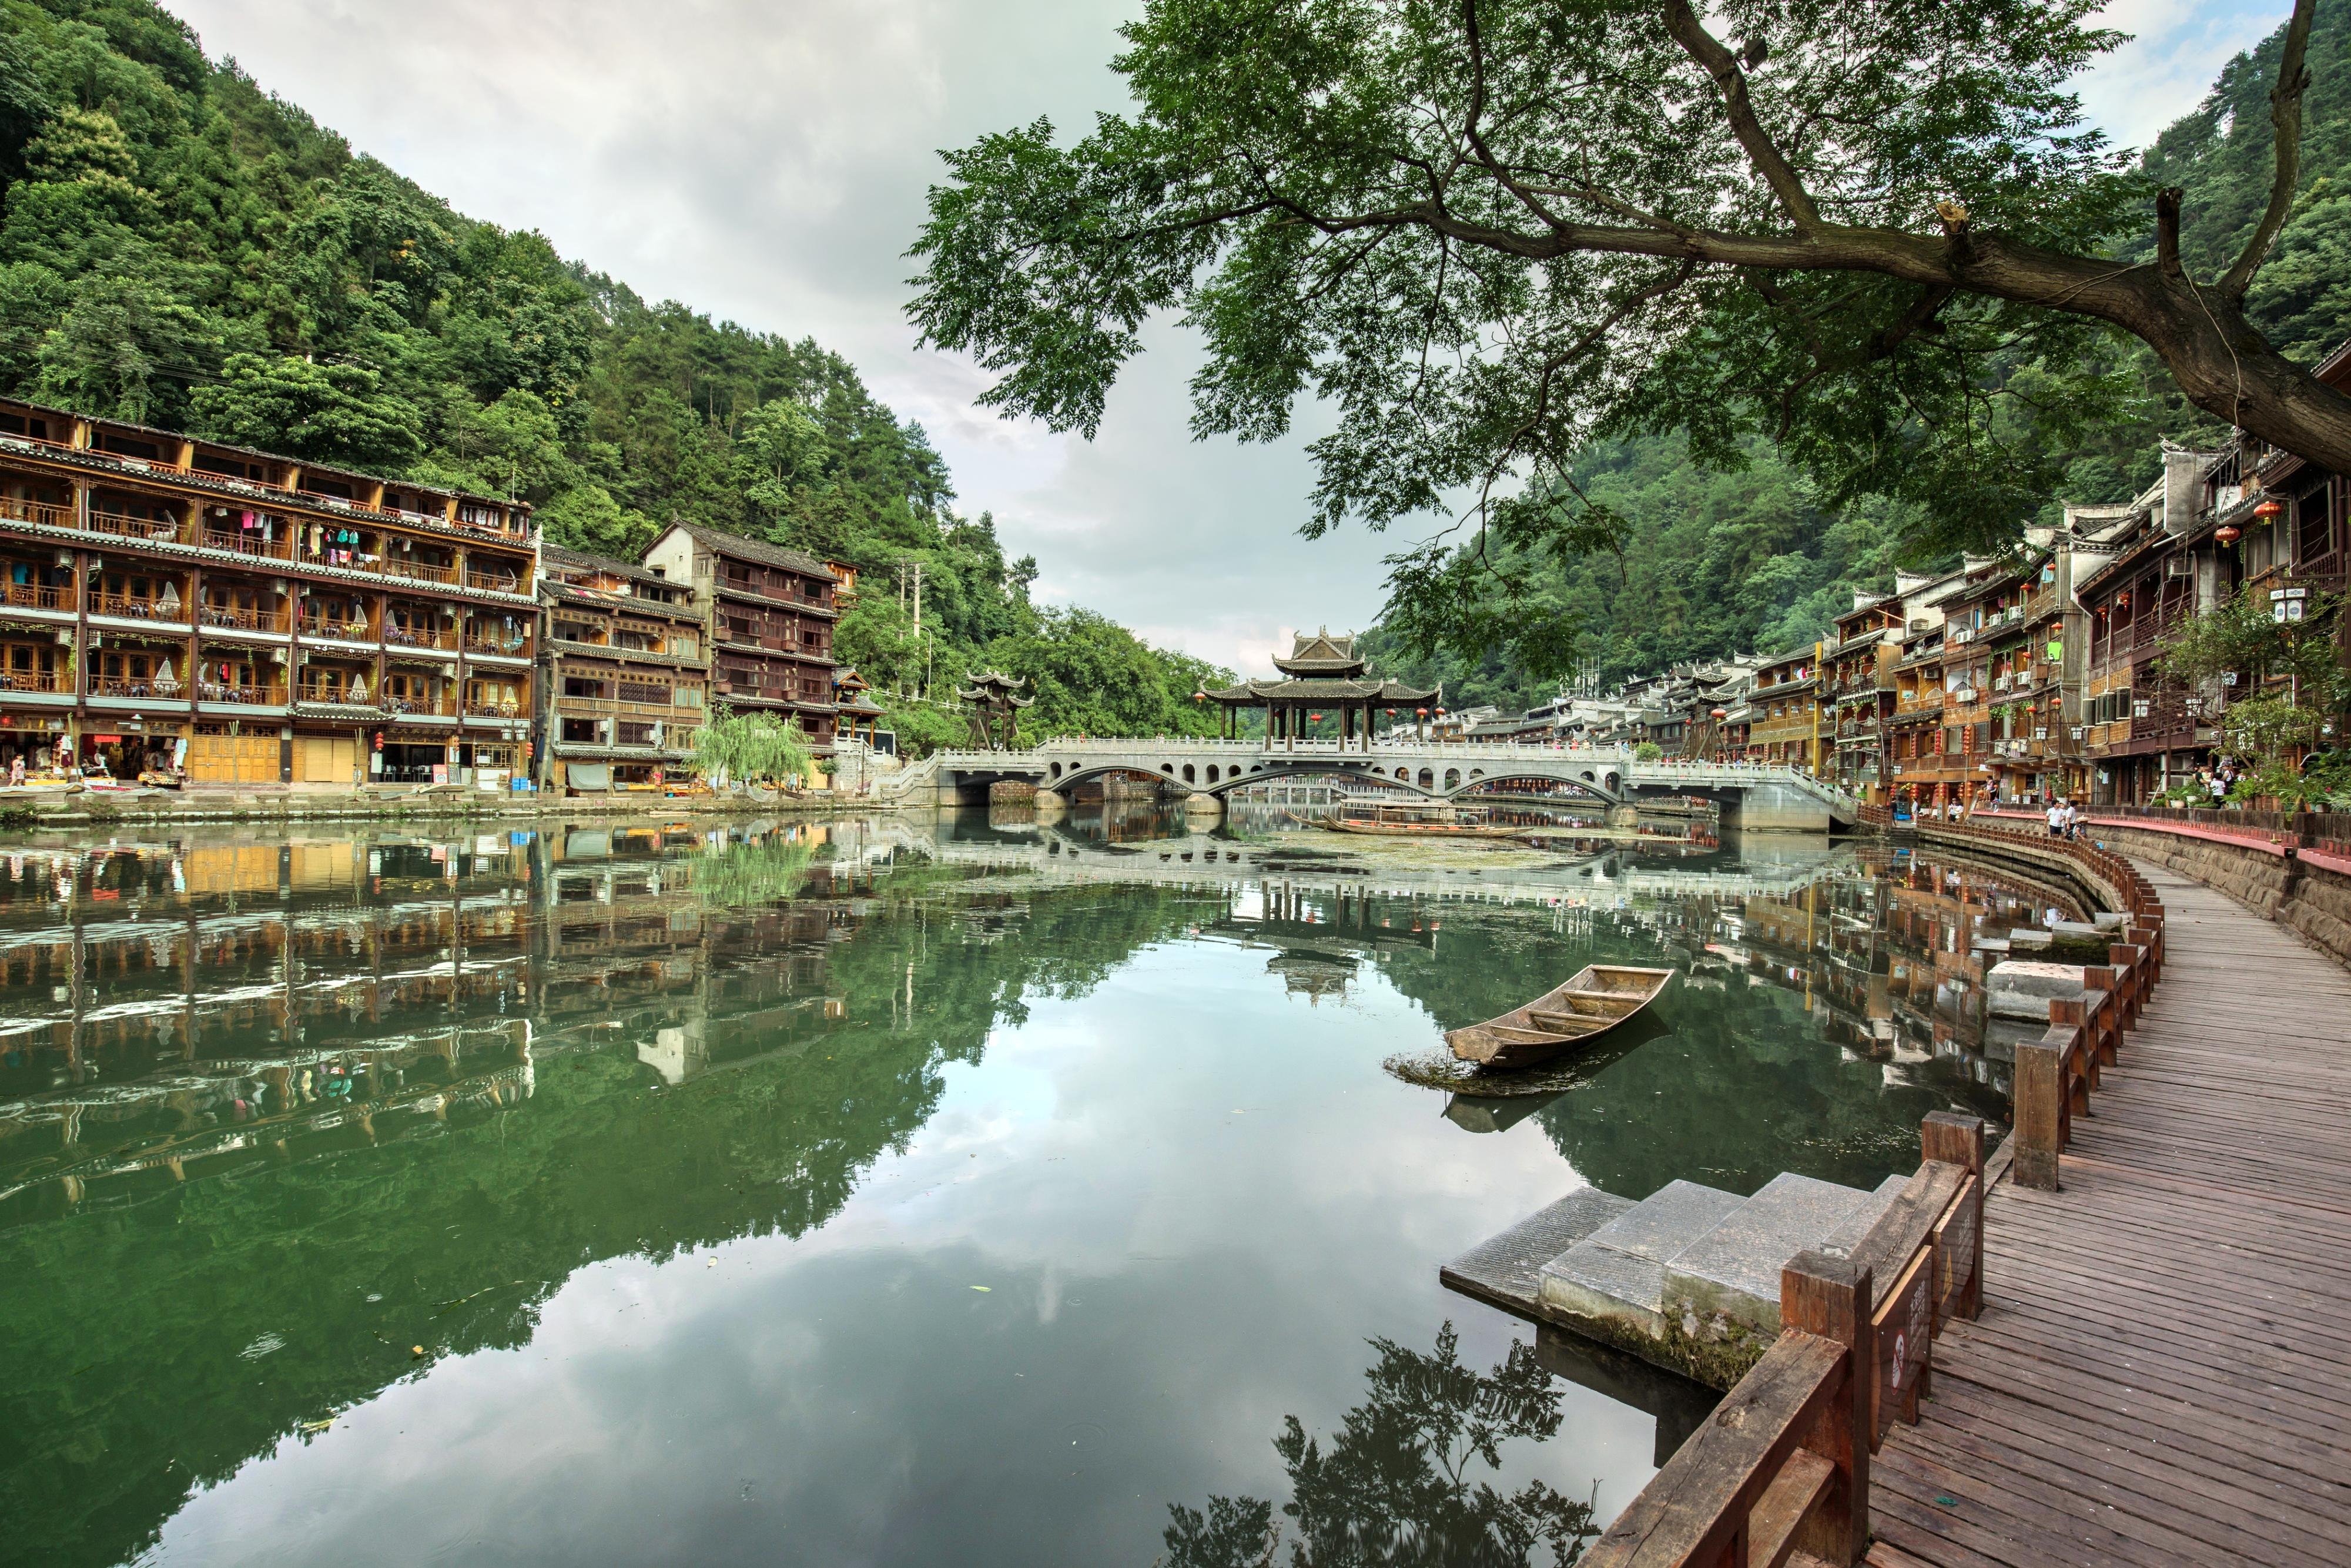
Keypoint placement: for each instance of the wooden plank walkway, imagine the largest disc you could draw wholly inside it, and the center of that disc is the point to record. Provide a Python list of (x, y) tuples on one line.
[(2162, 1371)]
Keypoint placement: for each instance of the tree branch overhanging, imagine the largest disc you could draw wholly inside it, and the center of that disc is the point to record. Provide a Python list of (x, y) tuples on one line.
[(2286, 120), (1718, 62)]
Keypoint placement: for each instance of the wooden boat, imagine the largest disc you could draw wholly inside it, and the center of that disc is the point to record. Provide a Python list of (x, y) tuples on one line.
[(1421, 830), (1595, 1000), (1416, 822)]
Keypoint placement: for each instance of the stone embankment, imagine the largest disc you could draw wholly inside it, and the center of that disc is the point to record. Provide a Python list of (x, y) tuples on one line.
[(2303, 887)]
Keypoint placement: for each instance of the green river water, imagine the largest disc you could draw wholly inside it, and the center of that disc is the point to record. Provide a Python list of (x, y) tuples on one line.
[(880, 1192)]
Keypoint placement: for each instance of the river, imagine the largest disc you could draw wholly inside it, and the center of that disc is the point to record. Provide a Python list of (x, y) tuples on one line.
[(880, 1191)]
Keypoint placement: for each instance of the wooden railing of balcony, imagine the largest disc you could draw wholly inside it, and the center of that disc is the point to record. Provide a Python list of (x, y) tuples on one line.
[(442, 639), (238, 618), (420, 707), (497, 647), (57, 682), (37, 595), (495, 582), (39, 512), (129, 607), (337, 626), (321, 691), (152, 530), (228, 691), (148, 690), (494, 710), (249, 542)]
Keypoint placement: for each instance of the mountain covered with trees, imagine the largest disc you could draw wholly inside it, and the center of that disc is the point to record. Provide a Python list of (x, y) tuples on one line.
[(181, 248), (1715, 564)]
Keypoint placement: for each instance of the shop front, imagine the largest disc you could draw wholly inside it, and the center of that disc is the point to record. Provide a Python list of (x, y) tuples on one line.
[(126, 747)]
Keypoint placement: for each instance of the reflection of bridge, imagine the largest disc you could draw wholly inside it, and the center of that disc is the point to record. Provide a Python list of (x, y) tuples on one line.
[(1196, 859), (1751, 796)]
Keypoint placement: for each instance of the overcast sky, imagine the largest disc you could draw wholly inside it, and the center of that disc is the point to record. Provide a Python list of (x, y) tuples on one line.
[(767, 163)]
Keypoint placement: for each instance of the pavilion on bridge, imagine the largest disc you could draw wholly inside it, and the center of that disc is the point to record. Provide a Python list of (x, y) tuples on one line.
[(1325, 675)]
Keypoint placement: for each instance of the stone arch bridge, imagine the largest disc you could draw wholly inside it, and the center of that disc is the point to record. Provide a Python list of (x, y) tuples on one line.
[(1751, 796)]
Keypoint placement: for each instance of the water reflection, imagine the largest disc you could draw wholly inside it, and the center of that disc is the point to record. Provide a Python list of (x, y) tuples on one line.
[(1406, 1479), (712, 1131)]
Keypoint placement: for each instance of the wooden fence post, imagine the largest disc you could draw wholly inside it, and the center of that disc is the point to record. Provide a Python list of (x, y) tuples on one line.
[(2040, 1096), (1832, 1297), (2080, 1073), (1956, 1139)]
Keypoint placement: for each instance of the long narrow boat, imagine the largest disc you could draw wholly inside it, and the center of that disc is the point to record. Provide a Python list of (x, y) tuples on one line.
[(1595, 1000), (1421, 830)]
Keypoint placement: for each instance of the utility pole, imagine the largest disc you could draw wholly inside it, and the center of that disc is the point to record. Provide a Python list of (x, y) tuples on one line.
[(919, 626)]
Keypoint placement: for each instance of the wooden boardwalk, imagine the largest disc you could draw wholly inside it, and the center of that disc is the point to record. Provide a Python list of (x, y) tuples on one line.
[(2162, 1370)]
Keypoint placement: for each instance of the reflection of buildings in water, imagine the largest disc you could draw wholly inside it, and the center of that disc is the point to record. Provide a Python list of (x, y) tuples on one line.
[(170, 1011), (1307, 973), (1887, 958)]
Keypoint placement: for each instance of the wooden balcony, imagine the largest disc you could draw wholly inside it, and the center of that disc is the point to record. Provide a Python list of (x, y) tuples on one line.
[(499, 582), (252, 696), (496, 648), (145, 530), (495, 710), (148, 690), (337, 628), (250, 543), (37, 596), (442, 641), (339, 695), (52, 683), (420, 707), (128, 607), (235, 618), (39, 512)]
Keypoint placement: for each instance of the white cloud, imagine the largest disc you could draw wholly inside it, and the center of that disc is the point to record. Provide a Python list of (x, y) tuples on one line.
[(2177, 48)]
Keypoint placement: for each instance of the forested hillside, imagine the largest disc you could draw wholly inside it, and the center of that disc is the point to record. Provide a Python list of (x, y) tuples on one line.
[(179, 248), (1719, 564)]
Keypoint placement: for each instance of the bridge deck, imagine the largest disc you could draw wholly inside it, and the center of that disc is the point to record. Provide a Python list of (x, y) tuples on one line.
[(2162, 1371)]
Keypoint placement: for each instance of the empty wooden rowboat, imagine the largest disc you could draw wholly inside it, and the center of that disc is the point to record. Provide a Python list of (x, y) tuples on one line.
[(1594, 1001)]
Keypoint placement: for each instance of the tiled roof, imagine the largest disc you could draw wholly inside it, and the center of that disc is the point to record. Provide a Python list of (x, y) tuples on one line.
[(766, 554)]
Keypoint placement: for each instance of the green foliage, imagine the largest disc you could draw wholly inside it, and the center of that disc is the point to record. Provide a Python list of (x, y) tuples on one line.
[(178, 248), (1487, 234), (1093, 677), (1648, 751), (750, 748), (2241, 635)]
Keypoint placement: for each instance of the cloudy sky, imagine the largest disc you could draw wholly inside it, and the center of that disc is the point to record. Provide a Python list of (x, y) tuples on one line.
[(766, 162)]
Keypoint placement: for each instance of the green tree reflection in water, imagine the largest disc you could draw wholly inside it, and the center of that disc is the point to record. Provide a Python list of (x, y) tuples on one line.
[(1397, 1484)]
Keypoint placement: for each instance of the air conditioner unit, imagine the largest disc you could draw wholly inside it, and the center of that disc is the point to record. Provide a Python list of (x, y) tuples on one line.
[(2180, 566)]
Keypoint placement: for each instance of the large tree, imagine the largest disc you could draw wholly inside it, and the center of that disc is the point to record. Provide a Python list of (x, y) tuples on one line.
[(1487, 232)]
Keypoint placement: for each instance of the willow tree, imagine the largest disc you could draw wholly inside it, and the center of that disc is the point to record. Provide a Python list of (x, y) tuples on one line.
[(750, 748), (1487, 232)]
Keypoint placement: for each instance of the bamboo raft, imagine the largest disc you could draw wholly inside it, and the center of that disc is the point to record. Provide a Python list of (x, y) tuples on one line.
[(1595, 1000)]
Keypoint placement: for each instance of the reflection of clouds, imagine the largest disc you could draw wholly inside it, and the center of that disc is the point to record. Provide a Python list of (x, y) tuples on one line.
[(1159, 1268)]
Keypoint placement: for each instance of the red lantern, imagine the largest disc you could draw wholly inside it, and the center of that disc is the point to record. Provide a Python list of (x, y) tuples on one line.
[(1199, 696), (2226, 533), (1420, 713), (1314, 718), (2271, 508), (1723, 712)]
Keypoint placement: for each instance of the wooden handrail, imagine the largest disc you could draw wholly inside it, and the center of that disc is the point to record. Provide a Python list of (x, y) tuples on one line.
[(1781, 1471), (1701, 1508)]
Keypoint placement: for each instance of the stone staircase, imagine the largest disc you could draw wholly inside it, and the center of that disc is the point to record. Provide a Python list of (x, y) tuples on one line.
[(1686, 1279)]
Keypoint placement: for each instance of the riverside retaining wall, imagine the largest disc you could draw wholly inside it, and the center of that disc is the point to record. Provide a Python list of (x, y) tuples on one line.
[(2306, 889)]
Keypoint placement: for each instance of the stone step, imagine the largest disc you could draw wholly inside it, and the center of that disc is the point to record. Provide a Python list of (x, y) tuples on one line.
[(1619, 1270), (1689, 1278)]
